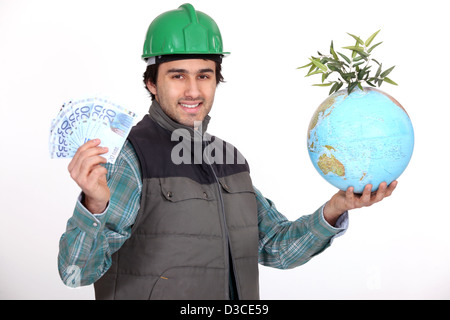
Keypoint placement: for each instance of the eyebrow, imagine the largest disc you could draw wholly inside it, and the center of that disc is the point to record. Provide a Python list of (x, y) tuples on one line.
[(174, 70)]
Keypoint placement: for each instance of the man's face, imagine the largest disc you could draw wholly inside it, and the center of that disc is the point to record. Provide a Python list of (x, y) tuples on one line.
[(185, 89)]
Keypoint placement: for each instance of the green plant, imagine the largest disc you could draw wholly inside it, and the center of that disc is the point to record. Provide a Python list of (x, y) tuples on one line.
[(353, 71)]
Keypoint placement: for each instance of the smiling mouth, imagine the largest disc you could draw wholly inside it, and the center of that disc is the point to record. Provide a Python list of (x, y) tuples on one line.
[(190, 106)]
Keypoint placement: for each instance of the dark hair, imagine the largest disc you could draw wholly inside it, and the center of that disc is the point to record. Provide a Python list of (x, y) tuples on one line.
[(151, 74)]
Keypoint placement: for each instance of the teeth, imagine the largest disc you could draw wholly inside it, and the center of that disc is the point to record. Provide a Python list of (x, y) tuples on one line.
[(190, 106)]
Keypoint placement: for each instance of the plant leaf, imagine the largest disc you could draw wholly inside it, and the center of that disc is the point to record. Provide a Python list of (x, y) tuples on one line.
[(385, 73), (348, 75), (361, 74), (378, 71), (345, 57), (369, 41), (334, 87), (390, 81), (313, 73), (319, 65), (306, 65), (325, 76), (332, 67), (354, 48), (333, 53), (354, 51), (374, 46), (358, 39), (363, 54), (352, 86), (323, 84)]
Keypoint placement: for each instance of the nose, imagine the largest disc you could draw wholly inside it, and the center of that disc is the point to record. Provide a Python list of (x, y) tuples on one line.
[(192, 89)]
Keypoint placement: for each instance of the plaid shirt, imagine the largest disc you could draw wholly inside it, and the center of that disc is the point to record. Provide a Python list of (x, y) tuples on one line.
[(86, 247)]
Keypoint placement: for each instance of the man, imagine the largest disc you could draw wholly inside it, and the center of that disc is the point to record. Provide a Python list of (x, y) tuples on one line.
[(150, 227)]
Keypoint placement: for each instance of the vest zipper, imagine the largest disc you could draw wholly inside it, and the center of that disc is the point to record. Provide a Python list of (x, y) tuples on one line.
[(228, 254)]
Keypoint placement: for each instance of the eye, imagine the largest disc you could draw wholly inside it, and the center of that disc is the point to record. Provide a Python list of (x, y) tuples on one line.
[(177, 76), (204, 77)]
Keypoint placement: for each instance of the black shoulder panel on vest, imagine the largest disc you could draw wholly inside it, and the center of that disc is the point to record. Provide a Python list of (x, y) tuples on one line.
[(154, 146)]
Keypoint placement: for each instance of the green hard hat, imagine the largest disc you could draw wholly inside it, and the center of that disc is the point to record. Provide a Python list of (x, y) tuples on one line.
[(183, 31)]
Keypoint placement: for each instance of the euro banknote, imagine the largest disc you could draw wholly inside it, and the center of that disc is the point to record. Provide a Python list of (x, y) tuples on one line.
[(79, 121)]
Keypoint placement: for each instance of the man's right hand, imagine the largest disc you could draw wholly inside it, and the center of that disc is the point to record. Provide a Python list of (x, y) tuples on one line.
[(87, 172)]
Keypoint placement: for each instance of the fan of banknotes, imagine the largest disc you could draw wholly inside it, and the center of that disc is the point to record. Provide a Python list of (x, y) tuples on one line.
[(81, 120)]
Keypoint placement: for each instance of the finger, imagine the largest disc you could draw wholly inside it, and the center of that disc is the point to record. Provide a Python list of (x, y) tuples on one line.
[(349, 194), (366, 195), (97, 173), (89, 181), (76, 163), (381, 192), (96, 179), (83, 167), (90, 144), (391, 188), (90, 164)]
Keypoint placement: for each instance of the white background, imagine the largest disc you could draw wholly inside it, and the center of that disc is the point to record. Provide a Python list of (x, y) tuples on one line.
[(52, 51)]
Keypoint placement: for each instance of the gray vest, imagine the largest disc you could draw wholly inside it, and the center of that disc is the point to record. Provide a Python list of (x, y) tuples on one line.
[(197, 228)]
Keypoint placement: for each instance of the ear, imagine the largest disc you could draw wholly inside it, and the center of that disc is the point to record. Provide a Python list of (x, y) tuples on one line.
[(151, 87)]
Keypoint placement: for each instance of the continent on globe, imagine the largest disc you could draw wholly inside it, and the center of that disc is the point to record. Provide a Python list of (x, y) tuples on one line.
[(331, 164), (365, 137), (324, 106)]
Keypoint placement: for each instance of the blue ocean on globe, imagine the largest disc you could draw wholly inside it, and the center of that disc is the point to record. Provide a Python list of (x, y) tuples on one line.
[(362, 138)]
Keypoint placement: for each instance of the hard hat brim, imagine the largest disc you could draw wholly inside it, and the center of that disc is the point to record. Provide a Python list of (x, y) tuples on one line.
[(172, 57)]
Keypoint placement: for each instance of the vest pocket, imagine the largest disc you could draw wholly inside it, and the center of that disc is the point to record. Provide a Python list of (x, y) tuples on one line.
[(237, 183), (180, 189)]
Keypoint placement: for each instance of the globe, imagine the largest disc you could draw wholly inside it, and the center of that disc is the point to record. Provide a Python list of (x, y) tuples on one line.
[(365, 137)]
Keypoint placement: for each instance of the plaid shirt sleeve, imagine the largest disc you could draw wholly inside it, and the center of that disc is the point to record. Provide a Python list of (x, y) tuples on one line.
[(287, 244), (86, 247)]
